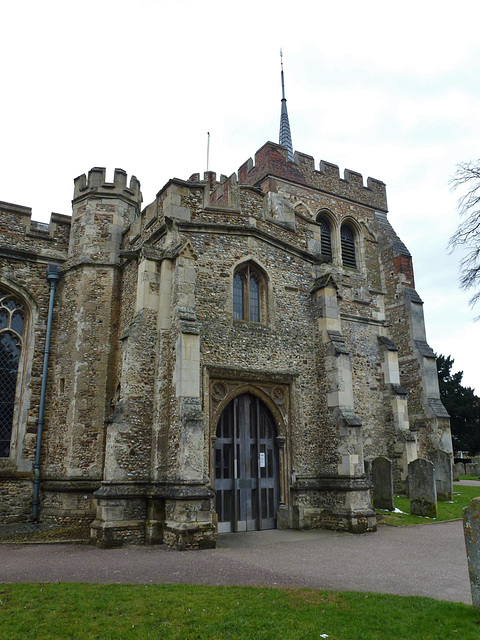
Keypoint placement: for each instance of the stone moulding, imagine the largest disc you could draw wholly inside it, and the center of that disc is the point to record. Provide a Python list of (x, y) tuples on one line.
[(71, 485), (340, 483), (224, 229), (173, 491)]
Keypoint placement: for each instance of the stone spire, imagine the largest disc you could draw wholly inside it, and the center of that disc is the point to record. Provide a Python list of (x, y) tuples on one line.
[(285, 135)]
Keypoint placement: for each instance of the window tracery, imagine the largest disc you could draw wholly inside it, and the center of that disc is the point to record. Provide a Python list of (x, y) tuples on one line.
[(12, 321), (249, 291)]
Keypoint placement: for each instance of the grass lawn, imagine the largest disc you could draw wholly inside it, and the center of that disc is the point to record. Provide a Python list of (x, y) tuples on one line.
[(462, 496), (182, 612)]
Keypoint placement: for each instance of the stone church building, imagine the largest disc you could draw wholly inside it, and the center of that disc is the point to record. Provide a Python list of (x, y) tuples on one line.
[(230, 357)]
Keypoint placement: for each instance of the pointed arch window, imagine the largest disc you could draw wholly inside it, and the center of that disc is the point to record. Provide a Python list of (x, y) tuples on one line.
[(347, 239), (12, 321), (325, 236), (249, 293)]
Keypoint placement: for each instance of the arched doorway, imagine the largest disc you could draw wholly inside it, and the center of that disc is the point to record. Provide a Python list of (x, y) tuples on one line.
[(246, 466)]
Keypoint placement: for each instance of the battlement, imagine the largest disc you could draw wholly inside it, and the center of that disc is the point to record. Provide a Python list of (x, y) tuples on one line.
[(18, 230), (96, 183), (271, 159)]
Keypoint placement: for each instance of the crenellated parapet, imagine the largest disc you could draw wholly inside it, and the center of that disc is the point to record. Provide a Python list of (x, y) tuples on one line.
[(271, 160), (101, 212), (21, 235), (96, 184)]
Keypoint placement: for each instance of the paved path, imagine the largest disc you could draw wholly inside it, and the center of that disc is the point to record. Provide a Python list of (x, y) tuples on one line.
[(427, 560)]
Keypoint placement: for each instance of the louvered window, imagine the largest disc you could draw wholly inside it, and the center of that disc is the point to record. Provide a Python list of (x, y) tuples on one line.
[(325, 237), (12, 318), (248, 295), (347, 236)]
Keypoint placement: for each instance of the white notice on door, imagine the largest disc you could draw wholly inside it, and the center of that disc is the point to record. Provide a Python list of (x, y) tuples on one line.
[(262, 460)]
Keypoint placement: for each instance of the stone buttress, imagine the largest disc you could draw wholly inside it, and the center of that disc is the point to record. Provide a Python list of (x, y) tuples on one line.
[(353, 510), (427, 417), (155, 488), (86, 333)]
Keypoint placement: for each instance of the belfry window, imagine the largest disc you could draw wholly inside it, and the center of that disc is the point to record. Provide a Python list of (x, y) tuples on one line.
[(325, 237), (249, 295), (12, 320), (347, 239)]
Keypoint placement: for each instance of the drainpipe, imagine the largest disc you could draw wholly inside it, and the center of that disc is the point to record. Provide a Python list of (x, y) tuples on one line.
[(53, 276)]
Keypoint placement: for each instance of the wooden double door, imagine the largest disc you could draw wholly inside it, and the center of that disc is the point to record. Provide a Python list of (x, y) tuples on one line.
[(246, 467)]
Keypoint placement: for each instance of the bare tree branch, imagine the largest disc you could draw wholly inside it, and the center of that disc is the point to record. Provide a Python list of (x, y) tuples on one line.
[(467, 179)]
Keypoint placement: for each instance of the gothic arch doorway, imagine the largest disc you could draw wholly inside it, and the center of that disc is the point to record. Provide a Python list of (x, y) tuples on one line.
[(246, 466)]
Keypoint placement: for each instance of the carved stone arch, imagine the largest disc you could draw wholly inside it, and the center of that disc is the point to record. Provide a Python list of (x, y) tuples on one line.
[(11, 286), (324, 211), (328, 233), (254, 261), (357, 227), (234, 390)]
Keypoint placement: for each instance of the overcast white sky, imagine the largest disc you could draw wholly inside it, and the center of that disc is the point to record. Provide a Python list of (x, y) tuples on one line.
[(386, 89)]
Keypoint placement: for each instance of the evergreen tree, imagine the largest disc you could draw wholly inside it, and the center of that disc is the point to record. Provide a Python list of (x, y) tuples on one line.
[(463, 406)]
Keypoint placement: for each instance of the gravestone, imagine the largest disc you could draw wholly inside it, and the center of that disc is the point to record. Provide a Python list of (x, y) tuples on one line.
[(442, 464), (382, 477), (471, 530), (460, 469), (422, 488), (469, 469)]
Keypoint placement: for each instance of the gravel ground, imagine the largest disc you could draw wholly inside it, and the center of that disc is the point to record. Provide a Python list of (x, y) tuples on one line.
[(427, 560)]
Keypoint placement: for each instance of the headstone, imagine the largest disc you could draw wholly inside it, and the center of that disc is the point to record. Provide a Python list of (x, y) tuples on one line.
[(422, 488), (456, 475), (471, 530), (382, 478), (460, 469), (468, 469), (442, 464)]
